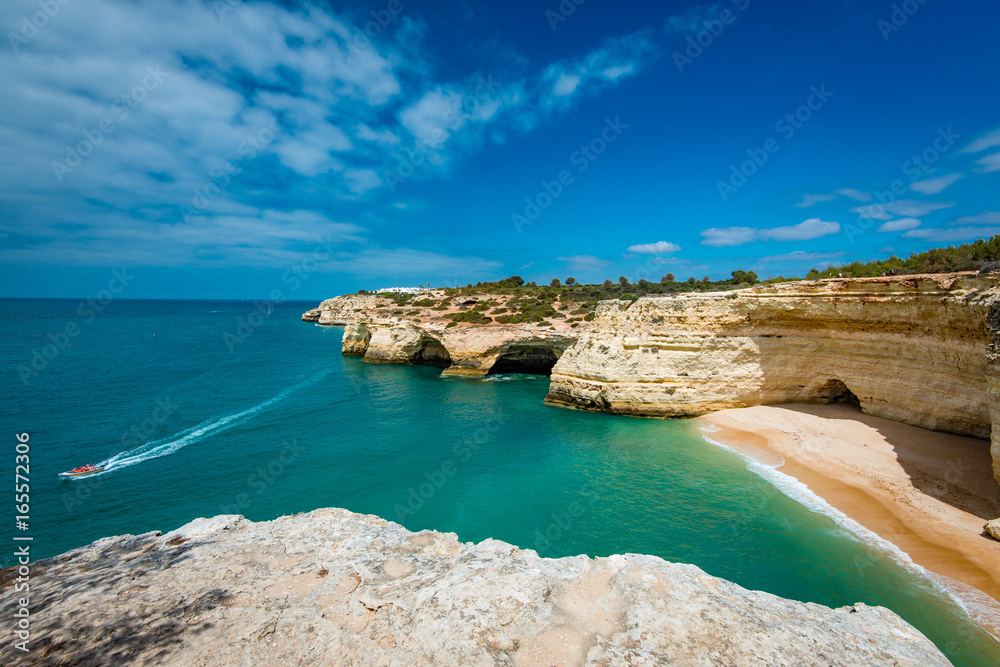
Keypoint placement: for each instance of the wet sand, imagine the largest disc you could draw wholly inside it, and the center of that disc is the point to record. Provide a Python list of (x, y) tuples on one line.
[(928, 493)]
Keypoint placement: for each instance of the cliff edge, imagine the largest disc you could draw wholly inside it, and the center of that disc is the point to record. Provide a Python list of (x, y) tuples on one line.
[(332, 587), (921, 349)]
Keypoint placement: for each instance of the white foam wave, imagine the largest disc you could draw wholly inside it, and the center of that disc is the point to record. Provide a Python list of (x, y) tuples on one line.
[(803, 495), (206, 429)]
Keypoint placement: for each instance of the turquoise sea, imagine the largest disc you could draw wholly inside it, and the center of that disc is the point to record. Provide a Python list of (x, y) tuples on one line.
[(199, 415)]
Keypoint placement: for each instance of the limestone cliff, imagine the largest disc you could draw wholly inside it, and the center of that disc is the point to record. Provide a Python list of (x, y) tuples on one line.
[(911, 349), (331, 587), (463, 351), (916, 349), (343, 309)]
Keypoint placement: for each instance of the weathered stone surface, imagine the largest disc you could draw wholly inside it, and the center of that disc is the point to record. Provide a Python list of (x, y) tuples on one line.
[(461, 351), (993, 528), (332, 587), (343, 309), (911, 349), (917, 349)]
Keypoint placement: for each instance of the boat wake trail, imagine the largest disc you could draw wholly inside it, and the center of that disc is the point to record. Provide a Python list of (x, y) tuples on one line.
[(206, 429)]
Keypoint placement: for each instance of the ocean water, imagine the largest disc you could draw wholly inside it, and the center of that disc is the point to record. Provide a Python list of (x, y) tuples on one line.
[(200, 408)]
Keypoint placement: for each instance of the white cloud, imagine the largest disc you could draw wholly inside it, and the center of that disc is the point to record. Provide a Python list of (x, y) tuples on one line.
[(952, 234), (932, 186), (730, 236), (432, 117), (872, 212), (660, 247), (810, 229), (614, 73), (616, 59), (988, 140), (566, 84), (801, 256), (812, 200), (910, 208), (692, 20), (856, 195), (361, 181), (990, 163), (345, 121), (901, 225), (385, 136), (984, 218), (916, 209)]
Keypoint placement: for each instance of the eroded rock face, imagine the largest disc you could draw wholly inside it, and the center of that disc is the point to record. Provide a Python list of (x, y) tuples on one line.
[(342, 310), (461, 351), (332, 587), (911, 349), (924, 350)]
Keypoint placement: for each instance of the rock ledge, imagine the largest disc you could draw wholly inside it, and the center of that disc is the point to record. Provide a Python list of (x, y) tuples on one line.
[(333, 587)]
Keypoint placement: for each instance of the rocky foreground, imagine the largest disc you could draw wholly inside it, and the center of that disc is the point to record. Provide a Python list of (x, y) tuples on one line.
[(332, 587)]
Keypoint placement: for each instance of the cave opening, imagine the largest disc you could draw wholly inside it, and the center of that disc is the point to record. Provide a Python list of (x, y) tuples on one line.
[(835, 391), (533, 360), (432, 353)]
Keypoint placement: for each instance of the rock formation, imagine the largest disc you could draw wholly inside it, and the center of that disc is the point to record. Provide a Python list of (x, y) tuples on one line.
[(911, 349), (463, 351), (332, 587), (343, 309), (470, 351), (916, 349)]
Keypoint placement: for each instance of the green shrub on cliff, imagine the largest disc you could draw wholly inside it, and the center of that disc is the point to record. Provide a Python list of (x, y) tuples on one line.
[(472, 317), (967, 257)]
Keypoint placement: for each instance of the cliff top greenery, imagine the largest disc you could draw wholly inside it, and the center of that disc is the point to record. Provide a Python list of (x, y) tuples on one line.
[(514, 301), (975, 256)]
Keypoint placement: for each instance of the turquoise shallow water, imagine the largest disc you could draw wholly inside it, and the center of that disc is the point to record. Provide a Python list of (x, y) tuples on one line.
[(279, 422)]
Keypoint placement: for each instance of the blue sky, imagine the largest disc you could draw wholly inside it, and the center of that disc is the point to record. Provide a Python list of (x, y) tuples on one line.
[(228, 149)]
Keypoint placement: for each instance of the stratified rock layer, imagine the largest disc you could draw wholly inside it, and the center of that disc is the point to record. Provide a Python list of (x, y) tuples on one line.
[(911, 349), (922, 350), (332, 587), (344, 309), (470, 351)]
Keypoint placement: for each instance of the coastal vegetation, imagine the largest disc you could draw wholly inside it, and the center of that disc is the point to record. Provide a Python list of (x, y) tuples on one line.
[(514, 301), (976, 256)]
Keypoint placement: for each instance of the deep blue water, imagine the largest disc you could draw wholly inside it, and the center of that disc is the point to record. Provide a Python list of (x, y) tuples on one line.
[(199, 416)]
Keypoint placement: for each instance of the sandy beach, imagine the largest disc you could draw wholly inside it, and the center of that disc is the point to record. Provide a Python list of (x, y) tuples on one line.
[(928, 493)]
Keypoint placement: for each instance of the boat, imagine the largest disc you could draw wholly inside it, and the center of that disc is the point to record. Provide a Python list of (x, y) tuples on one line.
[(82, 471)]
